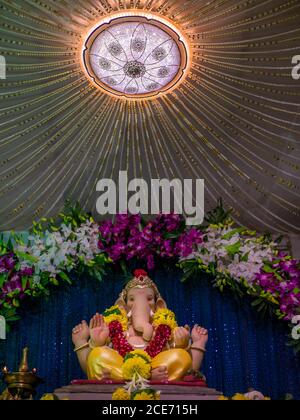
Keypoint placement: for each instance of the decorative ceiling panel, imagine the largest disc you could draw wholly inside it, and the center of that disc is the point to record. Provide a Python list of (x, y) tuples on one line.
[(234, 120)]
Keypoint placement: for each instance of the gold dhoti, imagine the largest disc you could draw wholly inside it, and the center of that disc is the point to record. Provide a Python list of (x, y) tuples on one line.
[(104, 359)]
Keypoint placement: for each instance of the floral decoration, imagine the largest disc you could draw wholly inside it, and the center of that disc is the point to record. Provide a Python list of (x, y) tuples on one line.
[(136, 369), (115, 313), (163, 332), (130, 238), (237, 259), (165, 317), (250, 396), (136, 364)]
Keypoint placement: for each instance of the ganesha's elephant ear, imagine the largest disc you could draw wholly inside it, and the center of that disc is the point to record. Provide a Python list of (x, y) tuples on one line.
[(161, 304), (121, 303)]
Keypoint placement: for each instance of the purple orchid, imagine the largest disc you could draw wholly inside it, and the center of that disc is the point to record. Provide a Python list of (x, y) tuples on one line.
[(288, 265), (8, 262), (14, 283), (284, 285), (127, 239), (27, 272)]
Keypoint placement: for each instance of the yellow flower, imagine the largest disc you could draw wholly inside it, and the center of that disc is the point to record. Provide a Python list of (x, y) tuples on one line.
[(144, 396), (223, 398), (136, 367), (49, 397), (121, 395), (115, 313), (165, 317), (141, 353), (239, 397)]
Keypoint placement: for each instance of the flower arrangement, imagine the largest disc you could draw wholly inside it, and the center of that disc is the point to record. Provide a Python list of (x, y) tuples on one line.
[(280, 281), (136, 369), (148, 394), (249, 265), (121, 394), (131, 238), (53, 251), (238, 259), (250, 396), (137, 364), (16, 283), (63, 249)]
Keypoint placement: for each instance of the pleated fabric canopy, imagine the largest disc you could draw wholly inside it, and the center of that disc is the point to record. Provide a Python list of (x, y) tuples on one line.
[(234, 120)]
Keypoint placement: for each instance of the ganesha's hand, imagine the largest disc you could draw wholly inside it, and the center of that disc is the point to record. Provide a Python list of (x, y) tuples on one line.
[(80, 334), (160, 374), (182, 337), (99, 331), (199, 337)]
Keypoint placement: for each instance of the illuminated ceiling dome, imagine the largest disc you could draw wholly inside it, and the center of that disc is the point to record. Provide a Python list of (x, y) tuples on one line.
[(135, 56), (233, 118)]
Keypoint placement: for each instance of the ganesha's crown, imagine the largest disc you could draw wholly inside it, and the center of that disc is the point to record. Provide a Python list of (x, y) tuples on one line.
[(141, 280)]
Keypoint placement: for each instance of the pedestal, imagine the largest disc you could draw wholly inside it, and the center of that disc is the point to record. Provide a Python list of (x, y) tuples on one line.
[(103, 392)]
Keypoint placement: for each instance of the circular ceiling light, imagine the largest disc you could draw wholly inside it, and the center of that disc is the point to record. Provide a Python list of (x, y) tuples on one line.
[(136, 56)]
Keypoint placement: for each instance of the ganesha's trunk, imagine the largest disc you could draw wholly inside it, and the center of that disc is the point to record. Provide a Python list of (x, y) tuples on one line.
[(141, 315)]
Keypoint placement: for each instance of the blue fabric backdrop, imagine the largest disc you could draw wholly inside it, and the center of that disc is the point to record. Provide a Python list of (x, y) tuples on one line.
[(243, 350)]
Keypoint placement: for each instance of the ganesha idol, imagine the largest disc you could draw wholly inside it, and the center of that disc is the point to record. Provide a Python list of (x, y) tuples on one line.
[(139, 322)]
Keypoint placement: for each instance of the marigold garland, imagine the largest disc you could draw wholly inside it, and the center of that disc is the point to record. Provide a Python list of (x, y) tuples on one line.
[(115, 313), (121, 395), (146, 395), (164, 321), (139, 353), (136, 366), (165, 317)]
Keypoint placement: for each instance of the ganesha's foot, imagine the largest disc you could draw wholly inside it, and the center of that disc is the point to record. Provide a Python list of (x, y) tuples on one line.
[(103, 361), (177, 361)]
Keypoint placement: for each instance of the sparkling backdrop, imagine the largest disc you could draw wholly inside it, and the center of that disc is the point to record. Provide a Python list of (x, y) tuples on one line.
[(234, 121)]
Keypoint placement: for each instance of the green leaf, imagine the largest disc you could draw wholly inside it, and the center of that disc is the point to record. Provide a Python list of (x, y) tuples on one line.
[(54, 281), (268, 269), (27, 257), (24, 282), (65, 277), (3, 279), (256, 302), (232, 233), (212, 268), (98, 275), (218, 215), (245, 257), (234, 249), (16, 303)]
